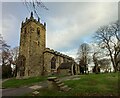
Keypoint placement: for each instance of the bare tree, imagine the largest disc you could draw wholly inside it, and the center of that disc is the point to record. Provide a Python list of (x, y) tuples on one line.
[(14, 56), (83, 57), (105, 64), (6, 59), (108, 38)]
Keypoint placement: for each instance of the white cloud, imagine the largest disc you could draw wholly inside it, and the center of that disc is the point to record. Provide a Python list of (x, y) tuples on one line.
[(71, 53), (74, 20), (67, 23), (9, 29)]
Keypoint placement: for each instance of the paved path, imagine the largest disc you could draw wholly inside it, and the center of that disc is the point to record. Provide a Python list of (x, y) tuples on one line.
[(16, 91), (27, 89), (23, 90)]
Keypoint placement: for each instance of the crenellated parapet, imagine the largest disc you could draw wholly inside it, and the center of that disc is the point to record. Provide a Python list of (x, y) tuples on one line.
[(31, 19), (57, 53)]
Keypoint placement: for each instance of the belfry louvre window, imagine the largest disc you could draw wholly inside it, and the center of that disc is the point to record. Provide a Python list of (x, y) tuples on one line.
[(38, 31)]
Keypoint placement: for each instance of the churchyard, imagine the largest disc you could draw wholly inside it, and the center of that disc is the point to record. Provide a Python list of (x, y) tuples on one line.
[(103, 84), (73, 58)]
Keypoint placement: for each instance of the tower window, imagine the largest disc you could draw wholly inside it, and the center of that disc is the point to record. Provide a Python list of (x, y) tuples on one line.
[(25, 30), (38, 31)]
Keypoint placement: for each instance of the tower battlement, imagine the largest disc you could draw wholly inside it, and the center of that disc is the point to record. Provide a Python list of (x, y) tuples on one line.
[(32, 19)]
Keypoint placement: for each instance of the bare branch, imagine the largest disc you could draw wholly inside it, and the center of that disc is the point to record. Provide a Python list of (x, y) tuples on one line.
[(105, 36)]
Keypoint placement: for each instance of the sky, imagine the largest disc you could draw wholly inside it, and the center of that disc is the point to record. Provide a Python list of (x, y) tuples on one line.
[(69, 24)]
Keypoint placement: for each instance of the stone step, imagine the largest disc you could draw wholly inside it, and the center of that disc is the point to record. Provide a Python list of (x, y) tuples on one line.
[(52, 78), (56, 80), (68, 89), (64, 87), (61, 84), (35, 92)]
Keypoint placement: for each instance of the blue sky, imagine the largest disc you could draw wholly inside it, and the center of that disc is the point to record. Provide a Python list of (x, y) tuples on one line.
[(68, 24)]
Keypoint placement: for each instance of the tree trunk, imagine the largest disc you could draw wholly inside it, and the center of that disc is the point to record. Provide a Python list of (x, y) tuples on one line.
[(112, 59), (113, 63)]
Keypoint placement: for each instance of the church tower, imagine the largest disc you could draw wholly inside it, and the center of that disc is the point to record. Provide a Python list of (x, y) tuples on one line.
[(32, 46)]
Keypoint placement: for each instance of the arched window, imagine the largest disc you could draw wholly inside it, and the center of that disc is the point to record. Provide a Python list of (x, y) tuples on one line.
[(53, 63)]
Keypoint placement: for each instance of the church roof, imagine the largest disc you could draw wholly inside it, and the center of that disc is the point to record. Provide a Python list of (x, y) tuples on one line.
[(57, 53)]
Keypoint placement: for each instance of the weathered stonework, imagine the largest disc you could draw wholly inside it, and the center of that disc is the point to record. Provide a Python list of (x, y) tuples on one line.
[(60, 58), (39, 60)]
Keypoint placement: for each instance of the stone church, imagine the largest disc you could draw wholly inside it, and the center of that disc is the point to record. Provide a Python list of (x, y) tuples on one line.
[(34, 58)]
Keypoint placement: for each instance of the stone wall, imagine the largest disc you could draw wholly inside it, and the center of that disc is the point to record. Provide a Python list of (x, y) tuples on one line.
[(60, 58)]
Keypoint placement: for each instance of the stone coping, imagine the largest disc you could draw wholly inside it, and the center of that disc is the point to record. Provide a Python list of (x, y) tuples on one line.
[(57, 53)]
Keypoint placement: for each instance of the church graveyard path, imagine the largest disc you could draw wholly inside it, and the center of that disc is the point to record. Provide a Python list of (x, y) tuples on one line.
[(28, 89)]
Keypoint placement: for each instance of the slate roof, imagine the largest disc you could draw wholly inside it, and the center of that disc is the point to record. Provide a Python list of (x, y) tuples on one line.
[(66, 65)]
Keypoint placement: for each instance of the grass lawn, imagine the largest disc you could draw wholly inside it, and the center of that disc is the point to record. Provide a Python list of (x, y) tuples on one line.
[(88, 85), (95, 84), (13, 83)]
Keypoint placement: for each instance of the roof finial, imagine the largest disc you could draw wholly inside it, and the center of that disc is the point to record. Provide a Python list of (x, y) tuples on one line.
[(26, 18), (45, 24), (31, 15), (22, 23)]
